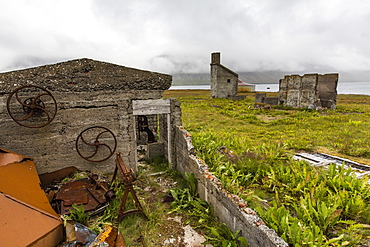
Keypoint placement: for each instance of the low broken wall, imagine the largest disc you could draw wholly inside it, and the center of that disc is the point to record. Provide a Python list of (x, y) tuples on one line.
[(226, 206)]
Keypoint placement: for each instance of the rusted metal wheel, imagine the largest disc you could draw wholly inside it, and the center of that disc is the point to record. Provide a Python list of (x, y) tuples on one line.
[(96, 144), (32, 106)]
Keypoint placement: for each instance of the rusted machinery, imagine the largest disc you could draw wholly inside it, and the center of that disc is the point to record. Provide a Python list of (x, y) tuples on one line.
[(95, 194), (96, 144), (32, 106), (128, 179), (89, 192), (143, 126)]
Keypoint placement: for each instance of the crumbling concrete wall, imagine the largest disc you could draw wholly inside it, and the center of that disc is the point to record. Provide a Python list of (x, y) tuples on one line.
[(261, 98), (327, 90), (224, 82), (312, 91), (88, 93), (226, 206)]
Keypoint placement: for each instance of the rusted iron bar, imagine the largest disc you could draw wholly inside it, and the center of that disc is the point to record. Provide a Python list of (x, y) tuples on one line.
[(109, 193)]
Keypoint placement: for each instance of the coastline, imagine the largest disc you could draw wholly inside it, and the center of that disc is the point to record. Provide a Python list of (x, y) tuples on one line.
[(362, 88)]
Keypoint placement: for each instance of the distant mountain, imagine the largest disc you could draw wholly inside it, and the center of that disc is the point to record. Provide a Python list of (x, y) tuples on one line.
[(265, 77)]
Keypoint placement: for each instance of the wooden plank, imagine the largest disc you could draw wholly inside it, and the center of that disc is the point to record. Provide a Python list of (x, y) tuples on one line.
[(150, 107)]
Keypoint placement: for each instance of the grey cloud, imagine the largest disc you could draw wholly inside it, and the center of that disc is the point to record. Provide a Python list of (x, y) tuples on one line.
[(178, 36)]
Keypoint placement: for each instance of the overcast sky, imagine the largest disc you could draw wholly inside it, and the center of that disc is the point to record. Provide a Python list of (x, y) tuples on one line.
[(173, 36)]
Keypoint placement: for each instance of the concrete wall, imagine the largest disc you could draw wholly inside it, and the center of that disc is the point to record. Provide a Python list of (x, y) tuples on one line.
[(224, 82), (170, 131), (327, 90), (311, 91), (88, 93), (226, 206), (309, 95), (261, 98)]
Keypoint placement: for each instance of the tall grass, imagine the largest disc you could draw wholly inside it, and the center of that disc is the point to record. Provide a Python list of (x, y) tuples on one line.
[(307, 206)]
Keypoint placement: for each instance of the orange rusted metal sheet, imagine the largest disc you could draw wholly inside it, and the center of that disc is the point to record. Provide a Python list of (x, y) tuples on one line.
[(26, 216), (57, 176)]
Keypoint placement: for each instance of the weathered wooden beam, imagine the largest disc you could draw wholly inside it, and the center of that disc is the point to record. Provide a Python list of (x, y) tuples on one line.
[(150, 107)]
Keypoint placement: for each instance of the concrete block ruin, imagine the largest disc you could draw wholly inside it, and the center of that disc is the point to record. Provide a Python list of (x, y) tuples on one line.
[(224, 82), (312, 91), (87, 94), (261, 99)]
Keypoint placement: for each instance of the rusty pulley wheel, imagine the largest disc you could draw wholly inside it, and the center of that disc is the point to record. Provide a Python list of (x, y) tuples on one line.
[(96, 144), (32, 106)]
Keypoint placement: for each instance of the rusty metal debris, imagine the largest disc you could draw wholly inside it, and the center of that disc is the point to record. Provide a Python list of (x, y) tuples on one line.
[(89, 192), (109, 193), (24, 205), (32, 112), (93, 193), (78, 235), (128, 179), (50, 178), (96, 144), (109, 237)]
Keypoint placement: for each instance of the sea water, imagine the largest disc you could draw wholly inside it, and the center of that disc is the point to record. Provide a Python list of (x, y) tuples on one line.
[(343, 87)]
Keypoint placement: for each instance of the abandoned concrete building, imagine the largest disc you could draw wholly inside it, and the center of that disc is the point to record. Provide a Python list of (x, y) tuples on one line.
[(79, 113), (312, 91), (224, 82), (97, 102)]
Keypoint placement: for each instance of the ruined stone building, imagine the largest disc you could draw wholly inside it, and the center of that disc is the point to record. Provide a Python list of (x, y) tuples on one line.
[(78, 112), (312, 91), (224, 82)]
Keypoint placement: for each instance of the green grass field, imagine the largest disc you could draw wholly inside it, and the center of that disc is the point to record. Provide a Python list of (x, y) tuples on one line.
[(307, 206)]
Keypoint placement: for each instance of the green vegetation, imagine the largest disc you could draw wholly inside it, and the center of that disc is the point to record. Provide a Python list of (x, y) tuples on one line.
[(185, 205), (78, 214), (307, 206), (186, 200)]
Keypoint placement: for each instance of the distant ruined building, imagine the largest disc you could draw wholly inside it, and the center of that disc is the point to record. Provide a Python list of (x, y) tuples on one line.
[(312, 91), (224, 82)]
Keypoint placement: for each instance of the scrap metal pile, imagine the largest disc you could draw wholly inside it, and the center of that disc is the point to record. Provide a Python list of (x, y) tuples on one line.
[(24, 204), (90, 191)]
